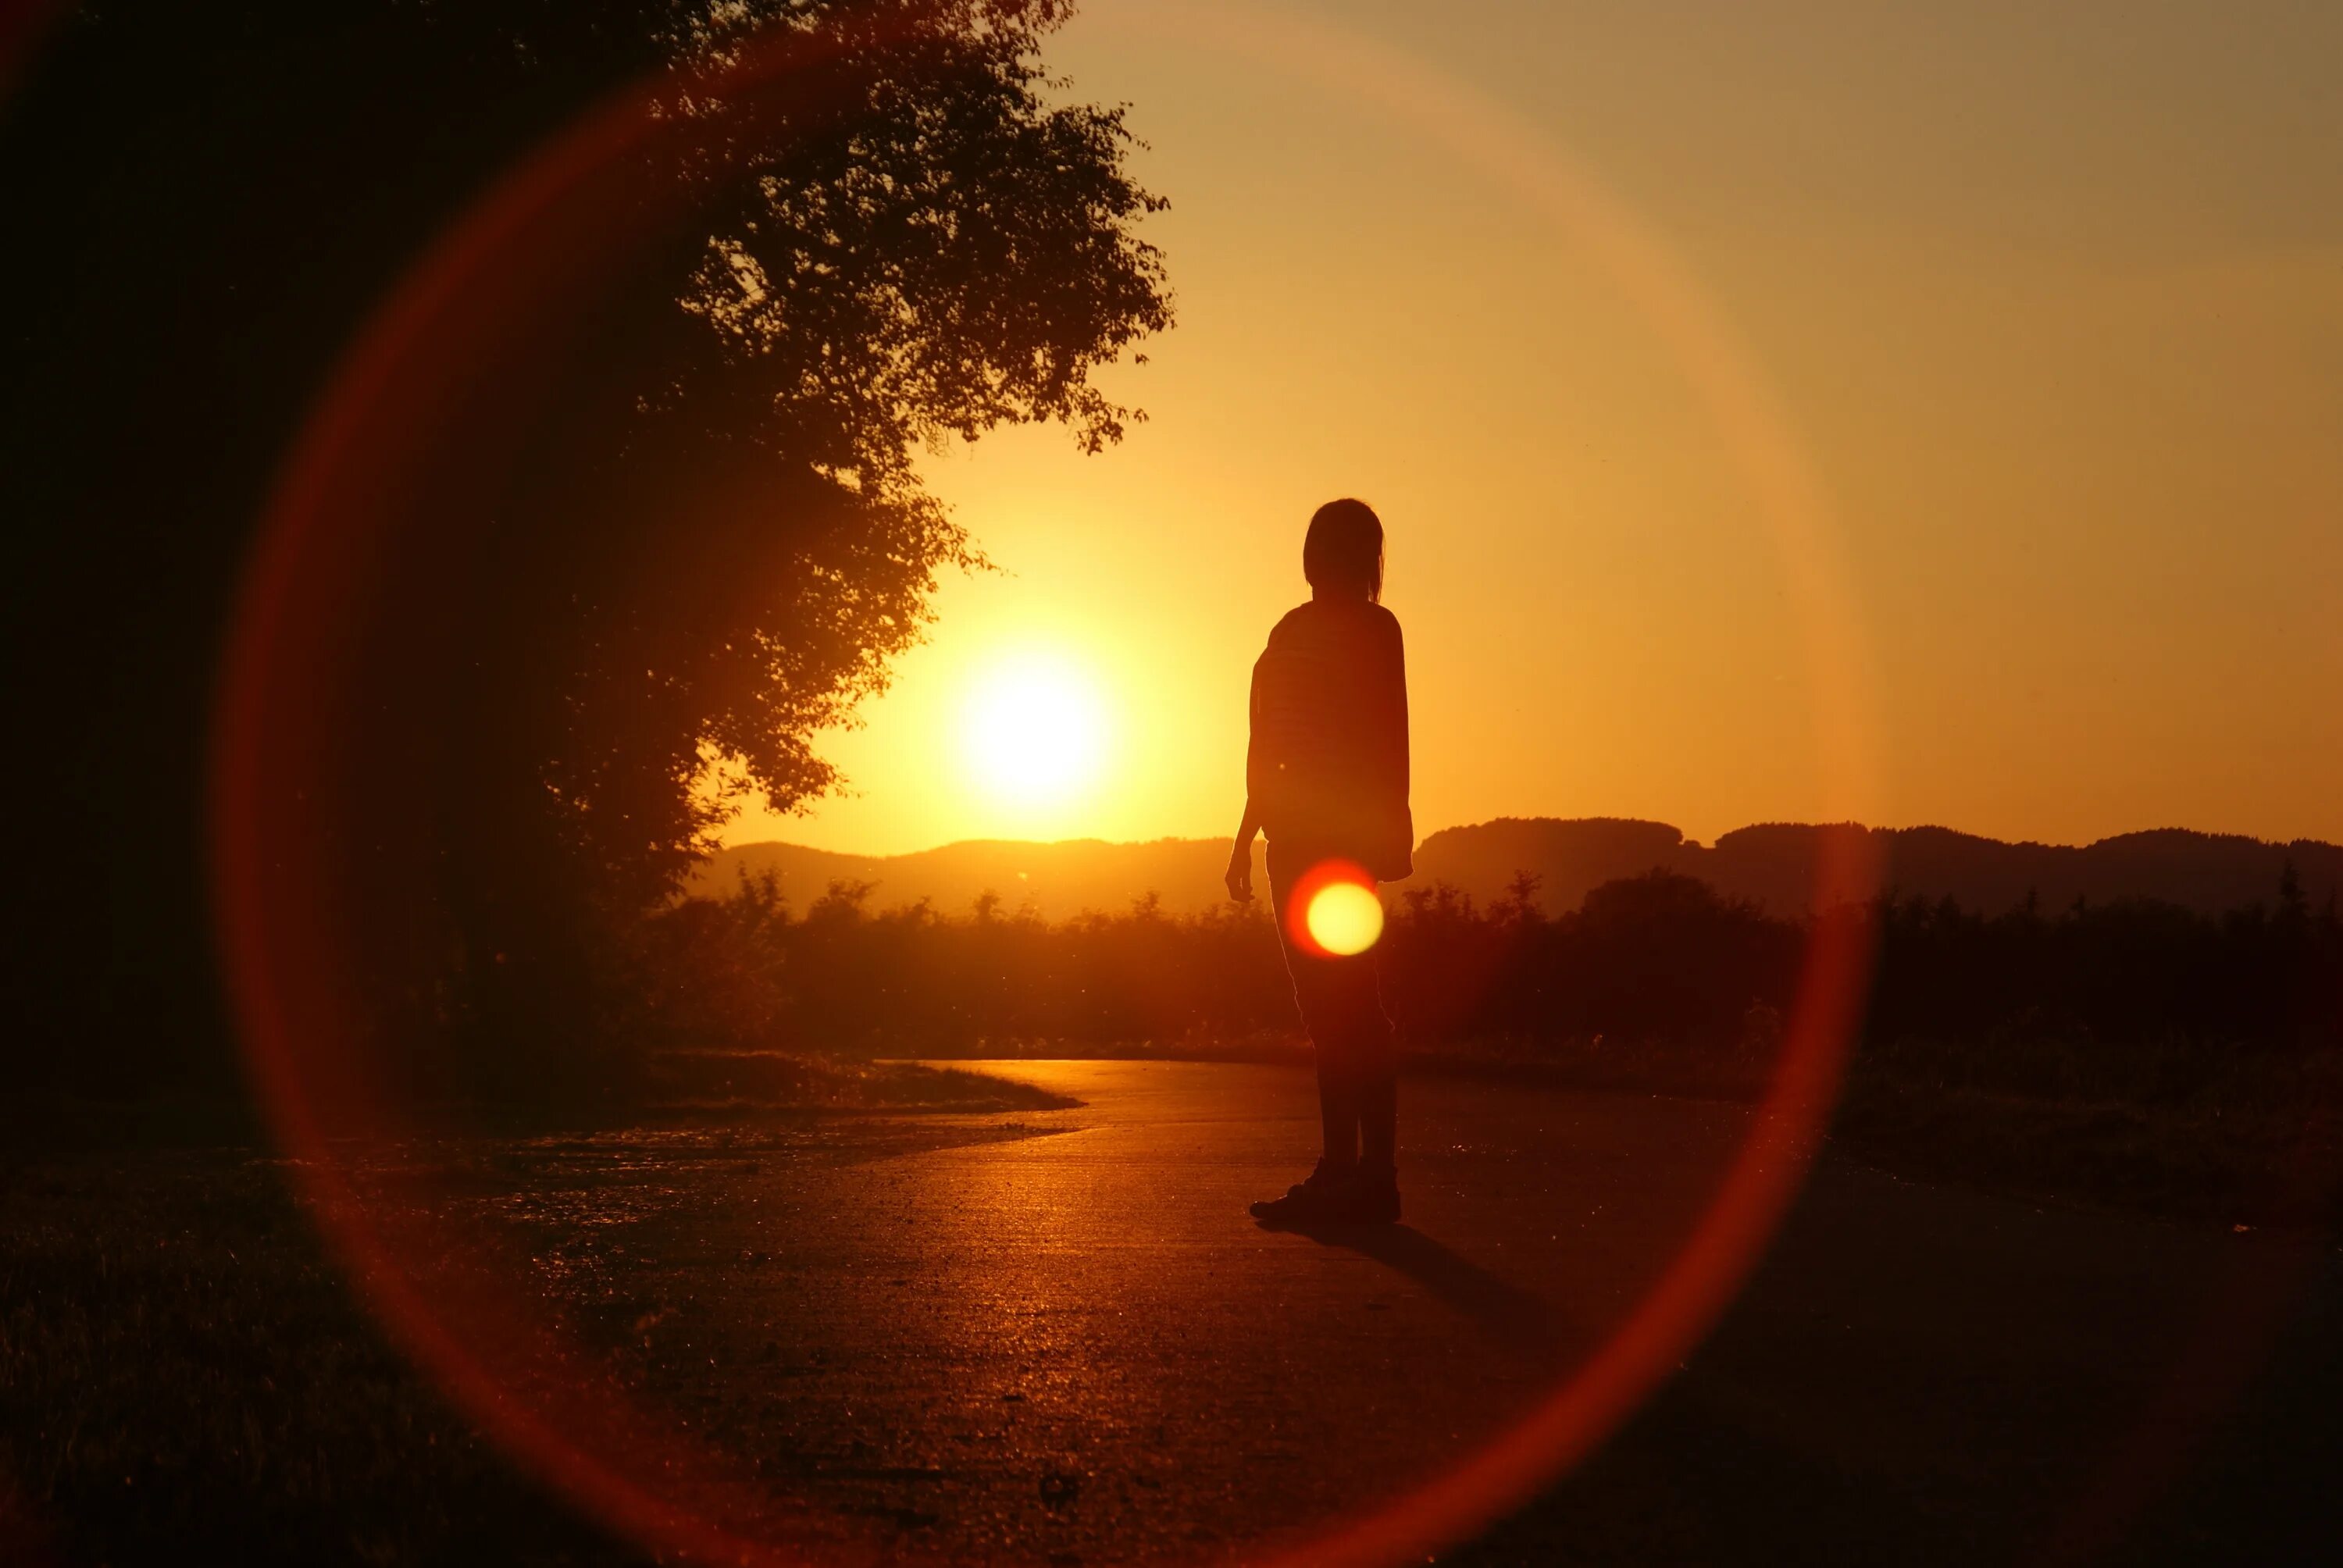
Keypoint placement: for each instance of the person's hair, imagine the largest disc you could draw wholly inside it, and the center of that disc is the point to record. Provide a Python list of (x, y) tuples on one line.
[(1344, 549)]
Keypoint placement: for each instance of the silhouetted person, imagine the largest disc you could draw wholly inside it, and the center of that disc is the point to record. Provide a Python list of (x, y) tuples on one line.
[(1326, 777)]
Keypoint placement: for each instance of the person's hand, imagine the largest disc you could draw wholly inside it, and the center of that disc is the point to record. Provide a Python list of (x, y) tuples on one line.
[(1239, 875)]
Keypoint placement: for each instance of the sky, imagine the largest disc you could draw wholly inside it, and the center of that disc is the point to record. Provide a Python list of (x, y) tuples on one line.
[(1927, 413)]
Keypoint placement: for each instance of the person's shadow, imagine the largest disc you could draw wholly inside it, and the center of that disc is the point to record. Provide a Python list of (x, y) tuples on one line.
[(1520, 1318)]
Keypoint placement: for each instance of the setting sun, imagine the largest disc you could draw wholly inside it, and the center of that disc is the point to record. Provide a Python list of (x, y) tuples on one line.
[(1033, 730)]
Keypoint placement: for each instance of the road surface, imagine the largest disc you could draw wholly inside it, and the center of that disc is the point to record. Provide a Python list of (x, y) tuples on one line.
[(1056, 1337)]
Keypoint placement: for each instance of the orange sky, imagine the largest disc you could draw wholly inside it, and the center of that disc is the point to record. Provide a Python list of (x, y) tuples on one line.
[(2047, 302)]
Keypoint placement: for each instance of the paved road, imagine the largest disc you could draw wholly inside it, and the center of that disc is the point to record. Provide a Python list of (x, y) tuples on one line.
[(1074, 1345)]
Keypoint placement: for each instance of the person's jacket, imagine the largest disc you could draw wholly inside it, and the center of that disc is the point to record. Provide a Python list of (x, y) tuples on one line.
[(1327, 765)]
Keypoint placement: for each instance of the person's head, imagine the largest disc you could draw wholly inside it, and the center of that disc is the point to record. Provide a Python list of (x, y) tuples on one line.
[(1343, 551)]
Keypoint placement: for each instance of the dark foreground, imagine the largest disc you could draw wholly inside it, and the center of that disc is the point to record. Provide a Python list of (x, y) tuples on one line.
[(1053, 1336)]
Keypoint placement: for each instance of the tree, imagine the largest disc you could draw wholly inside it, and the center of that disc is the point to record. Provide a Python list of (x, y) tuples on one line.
[(658, 551), (949, 253), (739, 544)]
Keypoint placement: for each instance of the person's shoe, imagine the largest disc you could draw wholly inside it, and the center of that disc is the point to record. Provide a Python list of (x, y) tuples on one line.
[(1315, 1199)]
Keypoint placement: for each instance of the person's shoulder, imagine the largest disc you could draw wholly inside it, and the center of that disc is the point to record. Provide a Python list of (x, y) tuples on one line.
[(1318, 623), (1293, 620)]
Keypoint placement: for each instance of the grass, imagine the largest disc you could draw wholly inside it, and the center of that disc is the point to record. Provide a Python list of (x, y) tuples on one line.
[(183, 1378), (2235, 1137), (2176, 1129)]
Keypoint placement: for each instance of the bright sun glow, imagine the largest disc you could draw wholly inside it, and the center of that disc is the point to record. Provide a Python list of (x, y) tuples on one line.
[(1345, 918), (1034, 730)]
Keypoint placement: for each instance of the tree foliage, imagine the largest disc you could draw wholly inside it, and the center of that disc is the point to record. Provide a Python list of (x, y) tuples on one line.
[(705, 544), (952, 253), (660, 579)]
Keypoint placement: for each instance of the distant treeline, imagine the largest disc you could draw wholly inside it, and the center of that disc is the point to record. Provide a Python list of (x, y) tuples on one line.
[(1660, 957), (1771, 864)]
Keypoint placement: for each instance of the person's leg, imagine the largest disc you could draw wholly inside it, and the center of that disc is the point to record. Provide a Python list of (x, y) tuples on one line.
[(1338, 1122), (1358, 1090), (1330, 1039), (1364, 1046), (1319, 995), (1371, 1065), (1378, 1102)]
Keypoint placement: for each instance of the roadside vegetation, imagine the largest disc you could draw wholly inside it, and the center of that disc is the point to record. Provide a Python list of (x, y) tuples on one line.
[(2132, 1052), (179, 1361)]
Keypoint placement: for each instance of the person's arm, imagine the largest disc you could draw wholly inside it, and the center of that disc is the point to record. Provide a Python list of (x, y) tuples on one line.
[(1239, 876), (1398, 700), (1240, 873), (1396, 763)]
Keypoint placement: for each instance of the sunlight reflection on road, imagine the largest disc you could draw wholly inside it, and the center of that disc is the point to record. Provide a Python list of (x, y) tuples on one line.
[(1058, 1331)]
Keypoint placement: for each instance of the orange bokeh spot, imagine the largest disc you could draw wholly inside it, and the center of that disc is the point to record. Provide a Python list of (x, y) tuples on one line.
[(1333, 911), (1346, 918)]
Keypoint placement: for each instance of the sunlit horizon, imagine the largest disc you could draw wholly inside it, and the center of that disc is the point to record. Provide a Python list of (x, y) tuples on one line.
[(2062, 404)]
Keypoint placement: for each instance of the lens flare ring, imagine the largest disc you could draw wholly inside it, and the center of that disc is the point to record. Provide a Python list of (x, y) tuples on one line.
[(285, 924)]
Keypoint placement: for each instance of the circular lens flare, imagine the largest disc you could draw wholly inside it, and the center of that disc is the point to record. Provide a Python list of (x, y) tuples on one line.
[(1345, 918), (1333, 911)]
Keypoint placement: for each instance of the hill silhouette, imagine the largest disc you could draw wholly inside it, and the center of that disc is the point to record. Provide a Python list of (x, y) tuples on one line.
[(1055, 880), (1771, 864)]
